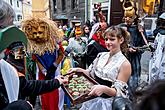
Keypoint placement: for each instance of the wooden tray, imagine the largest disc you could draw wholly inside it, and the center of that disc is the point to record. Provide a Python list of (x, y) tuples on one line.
[(78, 87)]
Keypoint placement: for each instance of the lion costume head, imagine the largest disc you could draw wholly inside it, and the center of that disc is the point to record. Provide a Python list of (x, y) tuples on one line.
[(42, 35)]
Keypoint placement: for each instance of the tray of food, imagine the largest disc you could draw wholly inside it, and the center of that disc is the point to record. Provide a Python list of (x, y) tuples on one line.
[(78, 87)]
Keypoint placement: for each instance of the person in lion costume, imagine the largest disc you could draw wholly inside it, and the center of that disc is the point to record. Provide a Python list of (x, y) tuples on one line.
[(46, 51)]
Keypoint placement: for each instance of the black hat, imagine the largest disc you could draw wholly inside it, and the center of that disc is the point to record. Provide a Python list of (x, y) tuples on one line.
[(15, 44)]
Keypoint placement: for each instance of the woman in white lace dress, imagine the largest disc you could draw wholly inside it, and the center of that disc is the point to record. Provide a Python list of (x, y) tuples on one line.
[(110, 69)]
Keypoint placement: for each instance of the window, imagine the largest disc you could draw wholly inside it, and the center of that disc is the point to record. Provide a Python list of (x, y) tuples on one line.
[(147, 24), (54, 6), (74, 4), (17, 3), (63, 5), (11, 2), (19, 17)]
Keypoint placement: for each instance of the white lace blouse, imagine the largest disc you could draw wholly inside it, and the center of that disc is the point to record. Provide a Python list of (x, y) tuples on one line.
[(108, 71)]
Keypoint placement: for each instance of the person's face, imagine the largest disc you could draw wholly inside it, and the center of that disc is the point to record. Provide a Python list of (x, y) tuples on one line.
[(128, 20), (86, 30), (103, 25), (112, 43), (18, 52)]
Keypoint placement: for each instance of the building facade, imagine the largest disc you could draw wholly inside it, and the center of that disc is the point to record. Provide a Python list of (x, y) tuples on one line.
[(67, 11), (27, 8), (112, 10), (40, 8)]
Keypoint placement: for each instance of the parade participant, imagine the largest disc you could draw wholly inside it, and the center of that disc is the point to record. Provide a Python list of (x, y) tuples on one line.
[(136, 40), (156, 65), (67, 61), (43, 43), (96, 41), (109, 70), (77, 47), (13, 84)]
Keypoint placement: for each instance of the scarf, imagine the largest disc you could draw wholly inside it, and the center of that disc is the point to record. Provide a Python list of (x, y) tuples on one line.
[(11, 80)]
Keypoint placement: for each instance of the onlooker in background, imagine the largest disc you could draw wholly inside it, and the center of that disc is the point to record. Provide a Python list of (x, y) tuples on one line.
[(77, 46), (136, 40), (86, 31), (96, 42), (88, 23)]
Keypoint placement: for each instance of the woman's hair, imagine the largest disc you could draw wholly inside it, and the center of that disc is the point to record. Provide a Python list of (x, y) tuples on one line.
[(153, 98), (83, 29), (119, 33), (7, 14)]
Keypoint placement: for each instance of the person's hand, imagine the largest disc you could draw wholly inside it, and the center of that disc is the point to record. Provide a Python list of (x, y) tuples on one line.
[(71, 70), (132, 50), (97, 90), (62, 80)]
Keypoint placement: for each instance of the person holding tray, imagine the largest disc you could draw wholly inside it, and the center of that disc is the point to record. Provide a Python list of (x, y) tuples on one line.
[(110, 69)]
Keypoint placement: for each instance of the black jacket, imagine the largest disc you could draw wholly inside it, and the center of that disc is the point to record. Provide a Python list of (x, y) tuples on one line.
[(27, 87)]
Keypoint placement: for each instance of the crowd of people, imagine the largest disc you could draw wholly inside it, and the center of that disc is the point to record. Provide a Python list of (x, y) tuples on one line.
[(33, 60)]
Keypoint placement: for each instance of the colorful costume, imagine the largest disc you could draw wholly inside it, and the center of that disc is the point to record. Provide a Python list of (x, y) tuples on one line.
[(136, 40), (77, 46), (96, 39), (43, 36), (13, 85), (157, 62)]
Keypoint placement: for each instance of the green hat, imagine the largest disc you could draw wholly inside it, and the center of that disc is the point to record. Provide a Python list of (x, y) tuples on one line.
[(9, 35)]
